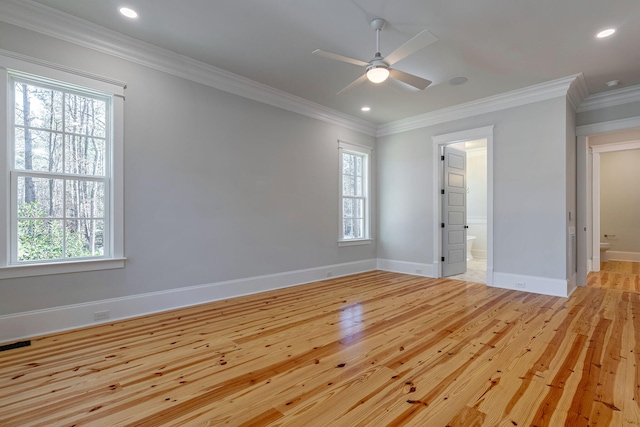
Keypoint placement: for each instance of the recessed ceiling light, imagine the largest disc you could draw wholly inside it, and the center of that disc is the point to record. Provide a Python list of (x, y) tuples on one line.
[(606, 33), (613, 83), (129, 13), (365, 109), (456, 81)]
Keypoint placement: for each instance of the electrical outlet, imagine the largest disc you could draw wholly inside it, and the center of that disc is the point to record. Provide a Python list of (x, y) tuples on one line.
[(101, 315), (418, 271), (329, 273), (521, 285)]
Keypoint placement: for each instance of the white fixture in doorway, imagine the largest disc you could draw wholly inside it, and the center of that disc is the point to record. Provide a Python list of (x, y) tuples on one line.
[(439, 141)]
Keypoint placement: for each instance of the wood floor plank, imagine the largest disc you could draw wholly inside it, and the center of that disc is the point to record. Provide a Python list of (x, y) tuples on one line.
[(372, 349)]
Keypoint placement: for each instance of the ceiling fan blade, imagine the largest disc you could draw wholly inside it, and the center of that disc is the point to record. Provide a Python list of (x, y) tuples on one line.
[(410, 79), (422, 40), (340, 58), (353, 84)]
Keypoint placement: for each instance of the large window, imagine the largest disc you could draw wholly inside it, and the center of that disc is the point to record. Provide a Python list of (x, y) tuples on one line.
[(354, 193), (63, 201), (59, 176)]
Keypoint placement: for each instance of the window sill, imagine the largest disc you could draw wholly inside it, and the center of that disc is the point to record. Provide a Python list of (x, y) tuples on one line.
[(29, 270), (354, 242)]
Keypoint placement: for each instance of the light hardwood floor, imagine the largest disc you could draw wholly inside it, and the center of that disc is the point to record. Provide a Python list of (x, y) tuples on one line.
[(373, 349)]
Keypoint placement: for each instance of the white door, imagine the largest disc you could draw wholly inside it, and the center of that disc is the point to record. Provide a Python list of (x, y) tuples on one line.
[(454, 215)]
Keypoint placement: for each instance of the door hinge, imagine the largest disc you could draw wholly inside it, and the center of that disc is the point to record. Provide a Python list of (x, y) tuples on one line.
[(442, 158), (441, 191), (442, 259), (442, 224)]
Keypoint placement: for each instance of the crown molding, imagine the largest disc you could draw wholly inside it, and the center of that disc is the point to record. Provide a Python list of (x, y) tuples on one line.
[(578, 91), (516, 98), (45, 20), (612, 98)]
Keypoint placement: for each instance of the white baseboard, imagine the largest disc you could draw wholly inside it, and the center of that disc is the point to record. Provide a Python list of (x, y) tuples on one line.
[(34, 323), (538, 285), (623, 256), (415, 268)]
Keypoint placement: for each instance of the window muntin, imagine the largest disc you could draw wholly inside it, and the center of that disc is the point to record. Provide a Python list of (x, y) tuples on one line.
[(59, 172), (354, 192)]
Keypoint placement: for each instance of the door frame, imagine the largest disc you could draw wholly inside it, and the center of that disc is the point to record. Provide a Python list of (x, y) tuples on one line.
[(451, 138), (587, 238)]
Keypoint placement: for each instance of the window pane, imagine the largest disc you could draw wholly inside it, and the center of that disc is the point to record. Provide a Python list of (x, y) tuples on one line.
[(359, 160), (348, 185), (347, 229), (347, 208), (37, 107), (358, 187), (84, 155), (85, 238), (348, 167), (358, 229), (38, 150), (85, 199), (358, 208), (39, 239), (85, 116), (39, 197)]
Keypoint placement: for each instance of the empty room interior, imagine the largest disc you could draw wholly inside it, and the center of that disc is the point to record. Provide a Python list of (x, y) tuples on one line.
[(363, 213)]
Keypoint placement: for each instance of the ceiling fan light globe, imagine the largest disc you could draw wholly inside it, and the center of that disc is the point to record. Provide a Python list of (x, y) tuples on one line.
[(377, 74)]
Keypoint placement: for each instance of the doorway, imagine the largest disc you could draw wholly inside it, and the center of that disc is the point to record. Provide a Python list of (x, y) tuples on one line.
[(480, 226), (600, 135)]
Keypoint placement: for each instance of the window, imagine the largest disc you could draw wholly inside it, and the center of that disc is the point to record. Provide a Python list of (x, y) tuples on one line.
[(354, 194), (63, 201)]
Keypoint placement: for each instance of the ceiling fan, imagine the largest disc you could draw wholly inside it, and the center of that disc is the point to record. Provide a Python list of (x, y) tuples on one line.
[(379, 68)]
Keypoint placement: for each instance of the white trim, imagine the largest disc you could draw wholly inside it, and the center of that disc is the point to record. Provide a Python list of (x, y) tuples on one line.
[(414, 268), (610, 126), (622, 146), (40, 322), (42, 19), (38, 67), (516, 98), (595, 211), (45, 269), (623, 256), (451, 138), (538, 285), (355, 242), (612, 98)]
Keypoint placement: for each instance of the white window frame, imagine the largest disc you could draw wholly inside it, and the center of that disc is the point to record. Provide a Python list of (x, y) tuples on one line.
[(364, 151), (35, 70)]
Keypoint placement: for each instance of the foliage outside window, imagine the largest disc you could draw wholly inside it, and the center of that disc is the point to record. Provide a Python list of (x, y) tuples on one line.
[(354, 192), (59, 175)]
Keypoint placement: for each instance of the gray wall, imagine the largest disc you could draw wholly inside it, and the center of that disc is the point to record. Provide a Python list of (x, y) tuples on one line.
[(530, 189), (617, 112), (217, 187), (620, 199)]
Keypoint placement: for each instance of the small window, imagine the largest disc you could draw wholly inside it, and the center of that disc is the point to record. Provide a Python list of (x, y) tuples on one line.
[(354, 193), (63, 205)]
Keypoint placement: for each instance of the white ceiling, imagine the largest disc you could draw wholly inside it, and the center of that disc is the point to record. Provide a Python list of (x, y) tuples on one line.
[(499, 45)]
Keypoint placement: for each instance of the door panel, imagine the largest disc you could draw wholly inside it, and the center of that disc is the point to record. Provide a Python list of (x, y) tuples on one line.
[(454, 206)]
